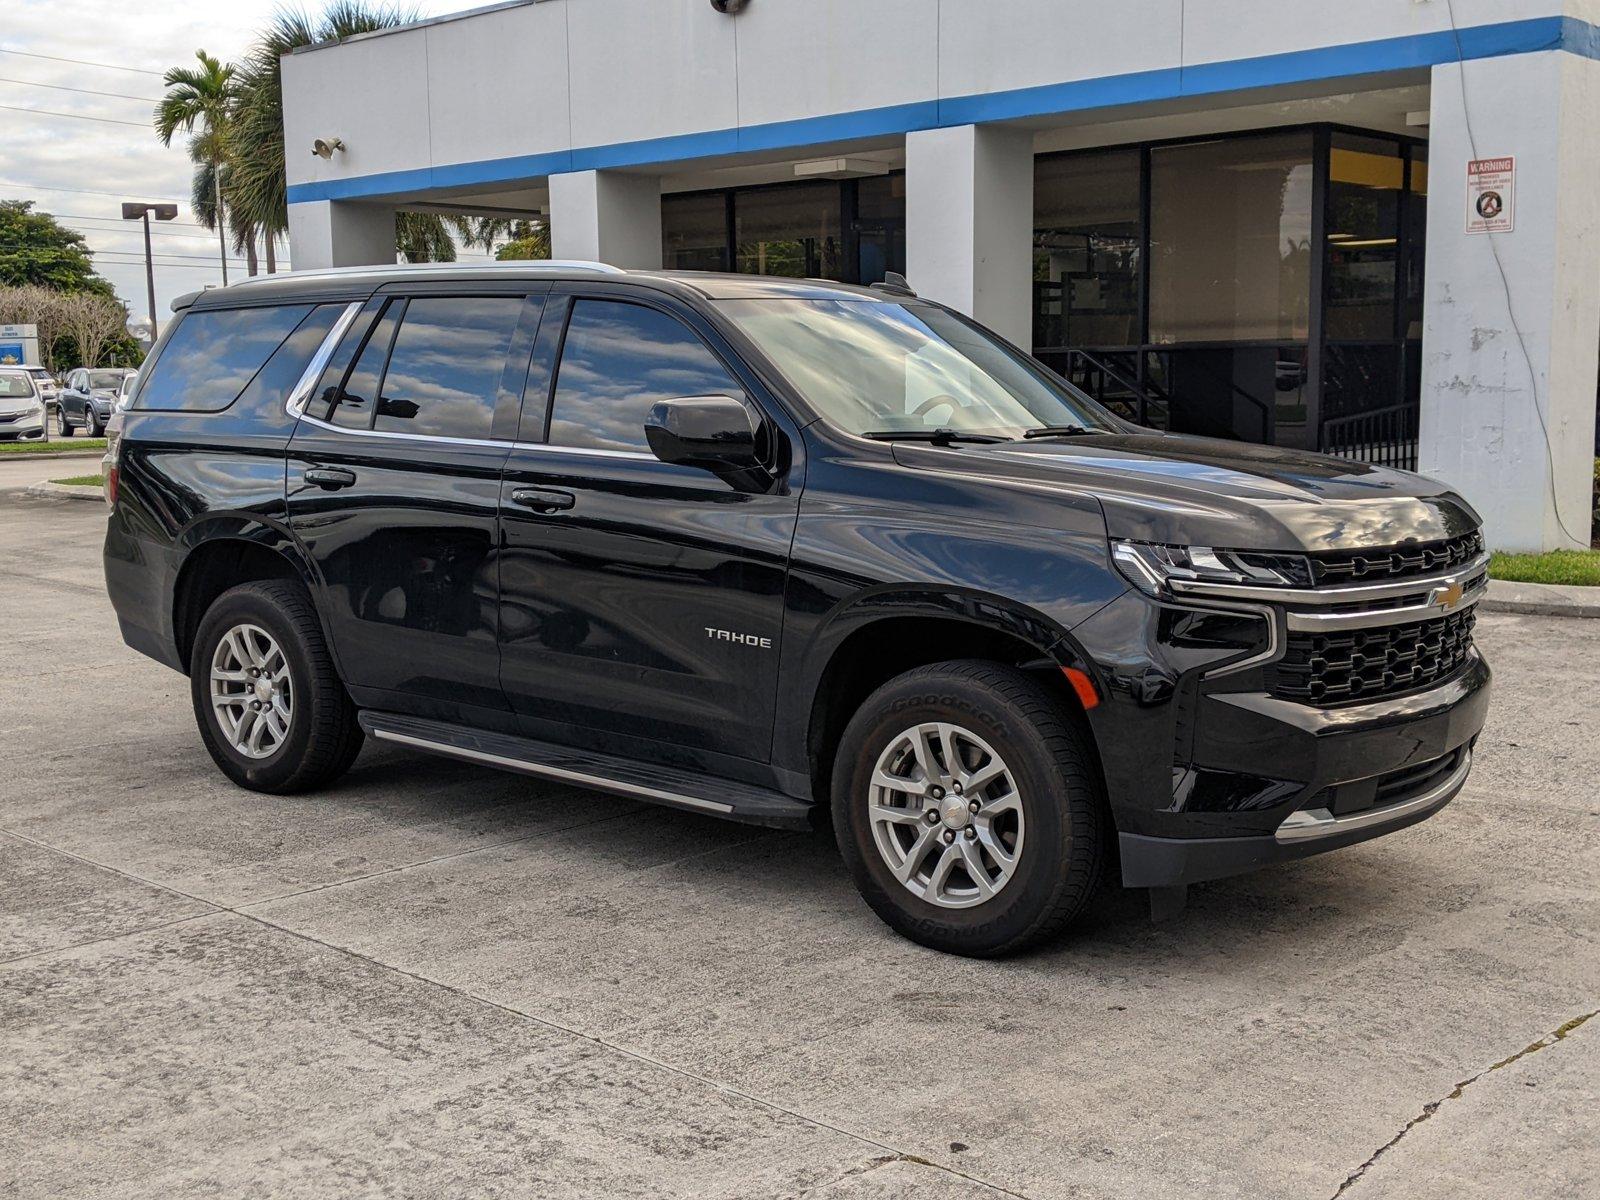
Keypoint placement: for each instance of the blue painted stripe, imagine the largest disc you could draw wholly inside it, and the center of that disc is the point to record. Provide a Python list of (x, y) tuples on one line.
[(1418, 51)]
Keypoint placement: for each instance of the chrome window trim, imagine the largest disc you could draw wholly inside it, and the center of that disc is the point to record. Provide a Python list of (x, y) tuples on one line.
[(1351, 594), (300, 394), (1310, 824)]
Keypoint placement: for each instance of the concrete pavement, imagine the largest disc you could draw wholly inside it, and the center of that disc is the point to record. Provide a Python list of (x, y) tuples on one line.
[(25, 470), (436, 980)]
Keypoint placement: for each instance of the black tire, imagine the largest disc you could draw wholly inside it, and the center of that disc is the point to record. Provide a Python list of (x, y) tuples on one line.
[(1051, 757), (91, 424), (62, 427), (323, 735)]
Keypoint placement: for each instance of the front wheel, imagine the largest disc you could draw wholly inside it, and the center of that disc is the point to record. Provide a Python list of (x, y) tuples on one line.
[(62, 428), (969, 809), (271, 709)]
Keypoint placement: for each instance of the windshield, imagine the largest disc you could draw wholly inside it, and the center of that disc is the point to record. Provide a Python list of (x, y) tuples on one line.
[(15, 386), (885, 367), (105, 379)]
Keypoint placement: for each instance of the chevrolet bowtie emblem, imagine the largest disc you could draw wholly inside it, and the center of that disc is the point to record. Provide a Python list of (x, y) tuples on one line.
[(1449, 595)]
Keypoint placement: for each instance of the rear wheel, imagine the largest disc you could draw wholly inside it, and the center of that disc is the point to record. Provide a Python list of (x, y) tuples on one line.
[(271, 709), (969, 809)]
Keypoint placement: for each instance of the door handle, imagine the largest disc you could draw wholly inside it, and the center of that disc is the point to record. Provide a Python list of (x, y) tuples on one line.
[(542, 500), (330, 479)]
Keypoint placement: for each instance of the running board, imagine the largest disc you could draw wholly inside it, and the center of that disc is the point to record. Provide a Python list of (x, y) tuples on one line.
[(672, 786)]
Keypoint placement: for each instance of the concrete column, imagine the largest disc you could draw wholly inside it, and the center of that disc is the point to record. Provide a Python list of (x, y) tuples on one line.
[(1511, 326), (606, 216), (340, 233), (969, 224)]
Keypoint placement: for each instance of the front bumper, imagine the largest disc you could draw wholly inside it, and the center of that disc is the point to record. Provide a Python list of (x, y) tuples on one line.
[(21, 431), (1215, 772)]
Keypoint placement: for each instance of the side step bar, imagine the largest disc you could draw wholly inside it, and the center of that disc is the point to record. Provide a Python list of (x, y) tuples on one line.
[(671, 786)]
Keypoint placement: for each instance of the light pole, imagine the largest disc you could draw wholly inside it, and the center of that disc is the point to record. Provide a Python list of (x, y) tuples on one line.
[(135, 211)]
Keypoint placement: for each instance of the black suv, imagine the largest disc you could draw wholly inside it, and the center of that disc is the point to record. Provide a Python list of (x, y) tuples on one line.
[(758, 547)]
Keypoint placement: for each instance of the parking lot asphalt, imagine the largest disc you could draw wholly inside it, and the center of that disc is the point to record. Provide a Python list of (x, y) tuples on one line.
[(438, 980)]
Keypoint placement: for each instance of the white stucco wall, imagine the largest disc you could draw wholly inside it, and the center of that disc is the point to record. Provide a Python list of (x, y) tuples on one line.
[(1512, 321), (496, 85)]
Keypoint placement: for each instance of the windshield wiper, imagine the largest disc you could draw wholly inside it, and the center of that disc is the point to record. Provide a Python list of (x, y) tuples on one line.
[(939, 437), (1062, 431)]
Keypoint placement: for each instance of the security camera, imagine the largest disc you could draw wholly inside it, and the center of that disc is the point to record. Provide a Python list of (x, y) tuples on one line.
[(324, 147), (730, 7)]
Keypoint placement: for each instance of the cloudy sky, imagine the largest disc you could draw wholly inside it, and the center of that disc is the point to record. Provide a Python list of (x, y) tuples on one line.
[(81, 169)]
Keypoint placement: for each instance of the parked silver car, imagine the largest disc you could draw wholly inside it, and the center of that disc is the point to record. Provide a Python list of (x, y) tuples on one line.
[(21, 406)]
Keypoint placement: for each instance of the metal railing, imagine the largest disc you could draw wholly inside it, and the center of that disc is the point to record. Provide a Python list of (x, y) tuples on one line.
[(1384, 437)]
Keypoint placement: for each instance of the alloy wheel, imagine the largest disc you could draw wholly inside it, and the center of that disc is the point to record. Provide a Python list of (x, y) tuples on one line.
[(946, 815), (252, 695)]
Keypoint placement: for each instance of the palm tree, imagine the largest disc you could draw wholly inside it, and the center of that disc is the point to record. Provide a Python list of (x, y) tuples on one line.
[(257, 185), (202, 98)]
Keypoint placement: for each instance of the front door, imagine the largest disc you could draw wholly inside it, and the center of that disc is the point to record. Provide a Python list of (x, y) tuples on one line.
[(642, 603), (393, 489)]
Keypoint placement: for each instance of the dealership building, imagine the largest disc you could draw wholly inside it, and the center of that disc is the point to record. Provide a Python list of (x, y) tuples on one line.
[(1369, 228)]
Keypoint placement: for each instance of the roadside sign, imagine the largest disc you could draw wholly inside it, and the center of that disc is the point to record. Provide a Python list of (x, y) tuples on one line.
[(1491, 195), (19, 345)]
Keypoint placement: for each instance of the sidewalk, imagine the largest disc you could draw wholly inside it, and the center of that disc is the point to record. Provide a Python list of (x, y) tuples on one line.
[(1542, 599)]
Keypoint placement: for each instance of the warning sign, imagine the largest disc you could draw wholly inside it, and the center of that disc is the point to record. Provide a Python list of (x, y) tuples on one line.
[(1491, 195)]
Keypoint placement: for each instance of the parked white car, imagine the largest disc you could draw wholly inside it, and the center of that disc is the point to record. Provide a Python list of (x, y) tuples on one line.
[(21, 406), (49, 386)]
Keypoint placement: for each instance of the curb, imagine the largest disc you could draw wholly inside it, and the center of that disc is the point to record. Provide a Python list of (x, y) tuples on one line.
[(1541, 599), (65, 455), (63, 491)]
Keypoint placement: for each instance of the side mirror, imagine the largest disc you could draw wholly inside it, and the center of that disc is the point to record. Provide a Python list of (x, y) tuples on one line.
[(702, 431)]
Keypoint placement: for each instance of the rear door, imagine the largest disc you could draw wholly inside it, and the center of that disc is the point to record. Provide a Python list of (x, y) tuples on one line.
[(393, 488), (642, 603)]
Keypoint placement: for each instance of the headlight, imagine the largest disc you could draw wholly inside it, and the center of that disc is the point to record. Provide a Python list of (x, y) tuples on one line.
[(1150, 567)]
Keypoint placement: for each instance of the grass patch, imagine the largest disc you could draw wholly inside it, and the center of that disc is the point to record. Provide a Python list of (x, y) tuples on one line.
[(1581, 567), (80, 481), (61, 446)]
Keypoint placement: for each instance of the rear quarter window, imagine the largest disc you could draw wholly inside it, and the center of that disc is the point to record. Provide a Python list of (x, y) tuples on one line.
[(213, 355)]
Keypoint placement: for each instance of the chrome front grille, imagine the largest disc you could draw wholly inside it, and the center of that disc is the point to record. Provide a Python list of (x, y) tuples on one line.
[(1350, 665), (1333, 568)]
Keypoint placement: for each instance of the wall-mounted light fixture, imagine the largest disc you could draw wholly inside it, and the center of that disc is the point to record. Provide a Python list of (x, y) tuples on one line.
[(729, 7)]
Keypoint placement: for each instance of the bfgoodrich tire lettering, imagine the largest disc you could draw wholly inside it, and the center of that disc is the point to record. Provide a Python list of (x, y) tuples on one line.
[(1052, 771), (321, 736)]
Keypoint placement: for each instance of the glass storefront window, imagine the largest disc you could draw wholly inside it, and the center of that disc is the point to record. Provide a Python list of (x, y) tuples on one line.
[(1230, 240), (695, 232), (1087, 248), (1366, 182), (793, 230)]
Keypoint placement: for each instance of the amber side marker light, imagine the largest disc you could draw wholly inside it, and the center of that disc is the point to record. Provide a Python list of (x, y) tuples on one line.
[(1083, 685)]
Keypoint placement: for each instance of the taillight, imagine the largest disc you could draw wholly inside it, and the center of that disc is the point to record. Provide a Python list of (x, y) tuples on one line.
[(113, 472)]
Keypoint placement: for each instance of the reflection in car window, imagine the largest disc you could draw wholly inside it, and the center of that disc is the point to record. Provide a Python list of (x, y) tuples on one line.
[(618, 360), (352, 407), (212, 356), (444, 373)]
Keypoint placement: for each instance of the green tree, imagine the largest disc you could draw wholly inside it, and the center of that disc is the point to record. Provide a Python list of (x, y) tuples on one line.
[(200, 102), (35, 248), (257, 181), (529, 239)]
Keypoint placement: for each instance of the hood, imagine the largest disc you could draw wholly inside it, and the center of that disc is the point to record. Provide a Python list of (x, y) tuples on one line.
[(12, 405), (1156, 487)]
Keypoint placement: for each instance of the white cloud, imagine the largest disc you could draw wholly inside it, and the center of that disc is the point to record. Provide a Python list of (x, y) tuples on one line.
[(107, 163)]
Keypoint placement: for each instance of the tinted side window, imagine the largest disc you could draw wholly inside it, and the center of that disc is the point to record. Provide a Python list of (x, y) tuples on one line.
[(354, 403), (444, 373), (212, 356), (618, 360), (276, 380)]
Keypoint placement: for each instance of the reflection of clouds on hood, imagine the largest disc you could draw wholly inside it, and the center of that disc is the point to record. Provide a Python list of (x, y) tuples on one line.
[(619, 360), (448, 360), (213, 356)]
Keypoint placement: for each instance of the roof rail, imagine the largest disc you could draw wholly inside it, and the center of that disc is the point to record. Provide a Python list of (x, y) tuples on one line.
[(519, 264)]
